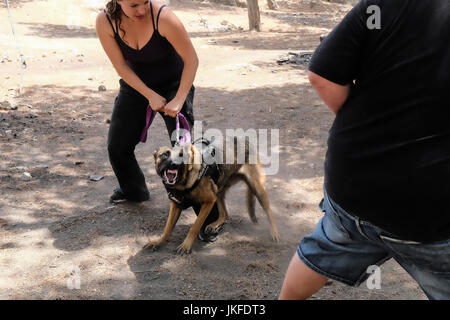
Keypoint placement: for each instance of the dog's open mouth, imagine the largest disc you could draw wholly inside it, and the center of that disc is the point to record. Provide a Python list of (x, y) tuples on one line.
[(170, 176)]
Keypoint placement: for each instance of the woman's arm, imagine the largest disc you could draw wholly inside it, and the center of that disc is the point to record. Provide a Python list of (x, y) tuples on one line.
[(173, 30), (112, 50)]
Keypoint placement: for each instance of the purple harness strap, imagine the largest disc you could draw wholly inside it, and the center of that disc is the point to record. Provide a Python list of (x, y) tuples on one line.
[(148, 121), (184, 139)]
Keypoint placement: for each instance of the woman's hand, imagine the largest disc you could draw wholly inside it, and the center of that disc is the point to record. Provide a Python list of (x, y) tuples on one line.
[(156, 102), (173, 107)]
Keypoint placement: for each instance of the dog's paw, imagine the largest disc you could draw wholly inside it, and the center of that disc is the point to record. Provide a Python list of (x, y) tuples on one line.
[(275, 235), (212, 227), (153, 245), (184, 248)]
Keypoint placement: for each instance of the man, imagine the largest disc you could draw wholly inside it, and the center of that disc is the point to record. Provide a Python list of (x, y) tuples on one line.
[(385, 72)]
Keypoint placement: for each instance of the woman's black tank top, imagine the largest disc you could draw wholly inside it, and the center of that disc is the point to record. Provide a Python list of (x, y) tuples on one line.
[(157, 63)]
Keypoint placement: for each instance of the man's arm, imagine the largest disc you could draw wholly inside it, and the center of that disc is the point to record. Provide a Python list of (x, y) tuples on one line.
[(334, 95)]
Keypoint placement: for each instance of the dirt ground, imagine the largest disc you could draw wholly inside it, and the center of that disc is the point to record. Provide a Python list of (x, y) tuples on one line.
[(54, 220)]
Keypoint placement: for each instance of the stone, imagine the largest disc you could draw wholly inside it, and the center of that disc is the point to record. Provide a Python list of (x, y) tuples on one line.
[(95, 177), (5, 105), (26, 176)]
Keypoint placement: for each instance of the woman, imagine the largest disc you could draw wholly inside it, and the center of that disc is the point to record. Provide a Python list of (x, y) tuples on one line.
[(152, 53)]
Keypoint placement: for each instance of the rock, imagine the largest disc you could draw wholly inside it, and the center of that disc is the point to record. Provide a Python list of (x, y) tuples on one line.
[(108, 121), (102, 88), (295, 58), (26, 176), (5, 105), (31, 115), (323, 36), (14, 107), (78, 163), (95, 177), (3, 222)]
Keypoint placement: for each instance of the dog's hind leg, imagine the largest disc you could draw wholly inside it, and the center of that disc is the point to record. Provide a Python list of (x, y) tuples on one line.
[(174, 214), (251, 205), (256, 179)]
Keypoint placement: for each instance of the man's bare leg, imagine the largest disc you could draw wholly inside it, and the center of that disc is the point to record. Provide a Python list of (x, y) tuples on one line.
[(300, 282)]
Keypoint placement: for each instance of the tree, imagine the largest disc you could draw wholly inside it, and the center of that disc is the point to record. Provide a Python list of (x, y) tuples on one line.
[(254, 17)]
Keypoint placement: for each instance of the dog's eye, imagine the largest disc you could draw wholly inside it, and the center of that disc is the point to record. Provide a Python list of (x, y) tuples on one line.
[(165, 155)]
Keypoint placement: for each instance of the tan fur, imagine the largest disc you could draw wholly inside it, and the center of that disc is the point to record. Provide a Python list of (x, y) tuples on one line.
[(207, 193)]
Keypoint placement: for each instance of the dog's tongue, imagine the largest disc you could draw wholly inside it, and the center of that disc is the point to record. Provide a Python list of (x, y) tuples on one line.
[(171, 175)]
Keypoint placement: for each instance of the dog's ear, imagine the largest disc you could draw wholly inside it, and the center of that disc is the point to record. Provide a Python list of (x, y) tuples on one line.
[(191, 155), (155, 153)]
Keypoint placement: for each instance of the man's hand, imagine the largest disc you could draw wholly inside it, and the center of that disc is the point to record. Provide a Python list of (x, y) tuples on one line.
[(173, 107)]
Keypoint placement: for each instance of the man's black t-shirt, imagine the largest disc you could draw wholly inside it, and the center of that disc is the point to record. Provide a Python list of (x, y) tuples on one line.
[(388, 158)]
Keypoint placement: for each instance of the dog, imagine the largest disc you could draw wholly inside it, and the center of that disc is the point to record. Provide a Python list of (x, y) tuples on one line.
[(189, 178)]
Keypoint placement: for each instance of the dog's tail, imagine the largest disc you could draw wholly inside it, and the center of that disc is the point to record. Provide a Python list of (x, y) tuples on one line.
[(251, 205)]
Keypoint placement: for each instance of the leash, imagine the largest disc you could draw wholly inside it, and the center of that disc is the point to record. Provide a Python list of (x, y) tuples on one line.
[(148, 121), (181, 140), (22, 60), (186, 138)]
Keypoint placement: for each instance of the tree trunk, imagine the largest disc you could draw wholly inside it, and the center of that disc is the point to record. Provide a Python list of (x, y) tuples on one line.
[(254, 18), (273, 5)]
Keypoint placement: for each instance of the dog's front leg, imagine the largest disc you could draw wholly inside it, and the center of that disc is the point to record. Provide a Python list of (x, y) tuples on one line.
[(174, 214), (186, 246)]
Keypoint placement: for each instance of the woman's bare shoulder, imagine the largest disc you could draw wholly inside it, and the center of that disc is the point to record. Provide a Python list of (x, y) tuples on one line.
[(102, 24), (157, 4)]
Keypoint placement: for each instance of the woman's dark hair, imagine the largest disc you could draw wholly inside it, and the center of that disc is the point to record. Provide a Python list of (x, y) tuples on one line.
[(114, 11)]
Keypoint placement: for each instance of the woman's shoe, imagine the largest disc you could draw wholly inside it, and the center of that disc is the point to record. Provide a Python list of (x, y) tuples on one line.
[(117, 196)]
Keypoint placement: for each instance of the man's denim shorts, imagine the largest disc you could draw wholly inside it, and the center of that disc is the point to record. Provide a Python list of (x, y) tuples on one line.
[(343, 247)]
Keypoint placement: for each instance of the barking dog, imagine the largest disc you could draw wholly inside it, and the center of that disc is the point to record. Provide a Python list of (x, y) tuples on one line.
[(190, 179)]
